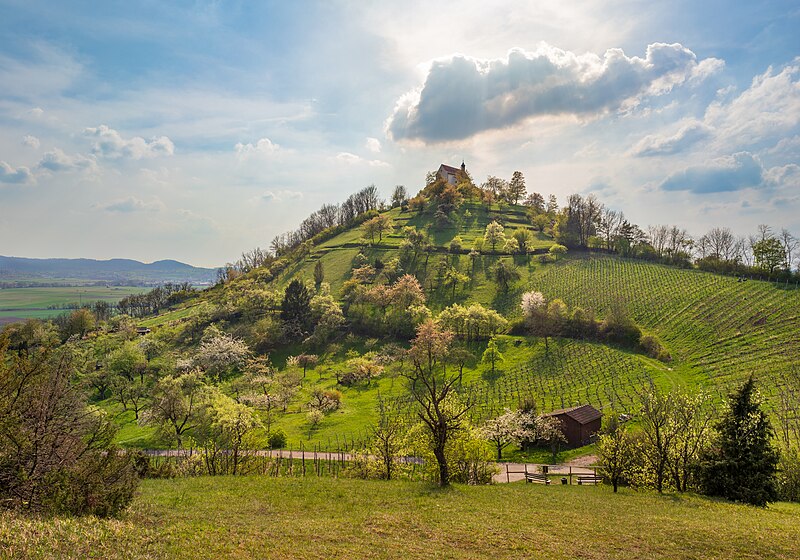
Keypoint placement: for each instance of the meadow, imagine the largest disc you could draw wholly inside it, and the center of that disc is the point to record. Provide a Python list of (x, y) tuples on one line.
[(44, 302), (262, 517)]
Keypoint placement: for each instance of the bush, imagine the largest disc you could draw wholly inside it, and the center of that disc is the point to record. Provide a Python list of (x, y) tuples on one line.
[(56, 452), (277, 439), (653, 348)]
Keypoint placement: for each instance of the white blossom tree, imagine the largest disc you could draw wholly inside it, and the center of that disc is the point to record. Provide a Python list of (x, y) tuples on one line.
[(513, 426)]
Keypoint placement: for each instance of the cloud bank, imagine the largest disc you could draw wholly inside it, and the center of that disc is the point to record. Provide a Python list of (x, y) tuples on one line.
[(462, 96)]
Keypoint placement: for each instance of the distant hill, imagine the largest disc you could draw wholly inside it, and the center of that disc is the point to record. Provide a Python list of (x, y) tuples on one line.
[(22, 271)]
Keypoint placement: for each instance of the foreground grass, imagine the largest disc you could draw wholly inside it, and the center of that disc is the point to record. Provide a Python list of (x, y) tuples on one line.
[(324, 518)]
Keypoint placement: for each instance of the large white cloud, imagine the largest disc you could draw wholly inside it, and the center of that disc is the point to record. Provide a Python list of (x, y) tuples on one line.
[(463, 96), (109, 143), (14, 175)]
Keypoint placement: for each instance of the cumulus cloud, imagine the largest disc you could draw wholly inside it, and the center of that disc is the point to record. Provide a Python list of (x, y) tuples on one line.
[(18, 175), (767, 110), (462, 96), (279, 195), (686, 136), (728, 173), (264, 146), (56, 160), (133, 204), (783, 176), (108, 143), (373, 145), (31, 141)]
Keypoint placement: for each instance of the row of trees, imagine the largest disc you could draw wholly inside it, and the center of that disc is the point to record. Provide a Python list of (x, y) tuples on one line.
[(680, 446)]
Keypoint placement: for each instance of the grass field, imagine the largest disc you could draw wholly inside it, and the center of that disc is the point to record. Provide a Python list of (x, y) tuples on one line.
[(35, 302), (254, 517)]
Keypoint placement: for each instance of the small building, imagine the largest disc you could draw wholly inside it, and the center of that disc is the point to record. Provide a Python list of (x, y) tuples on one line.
[(451, 174), (141, 331), (578, 424)]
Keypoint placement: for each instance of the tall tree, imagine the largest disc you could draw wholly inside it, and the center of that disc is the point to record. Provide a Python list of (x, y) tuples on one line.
[(399, 196), (516, 188), (741, 464), (296, 306), (440, 408), (319, 274)]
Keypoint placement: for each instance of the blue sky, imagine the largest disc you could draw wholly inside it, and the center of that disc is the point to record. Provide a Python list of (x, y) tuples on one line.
[(197, 130)]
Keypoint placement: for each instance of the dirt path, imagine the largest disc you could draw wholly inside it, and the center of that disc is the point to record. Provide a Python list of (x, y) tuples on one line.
[(514, 472), (509, 472)]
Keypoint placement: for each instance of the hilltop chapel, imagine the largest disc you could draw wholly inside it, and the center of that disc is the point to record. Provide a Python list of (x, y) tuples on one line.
[(451, 174)]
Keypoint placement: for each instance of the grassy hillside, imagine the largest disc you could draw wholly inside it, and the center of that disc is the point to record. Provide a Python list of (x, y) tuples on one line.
[(718, 330), (258, 517)]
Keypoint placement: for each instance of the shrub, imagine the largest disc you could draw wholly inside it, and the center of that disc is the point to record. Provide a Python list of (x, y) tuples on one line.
[(653, 348), (277, 439), (56, 452)]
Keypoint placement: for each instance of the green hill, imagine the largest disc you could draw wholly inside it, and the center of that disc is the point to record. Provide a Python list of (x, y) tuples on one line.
[(717, 330)]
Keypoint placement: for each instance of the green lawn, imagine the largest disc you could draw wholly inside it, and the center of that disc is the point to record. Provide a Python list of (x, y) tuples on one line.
[(260, 517)]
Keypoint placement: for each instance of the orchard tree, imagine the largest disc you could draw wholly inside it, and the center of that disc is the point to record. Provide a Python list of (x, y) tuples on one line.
[(494, 235), (492, 355), (510, 427), (557, 251), (504, 274), (306, 361), (388, 437), (616, 449), (659, 431), (440, 408), (534, 312), (174, 407), (221, 353)]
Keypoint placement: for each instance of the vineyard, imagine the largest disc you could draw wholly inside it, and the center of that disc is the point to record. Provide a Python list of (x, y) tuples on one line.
[(718, 329)]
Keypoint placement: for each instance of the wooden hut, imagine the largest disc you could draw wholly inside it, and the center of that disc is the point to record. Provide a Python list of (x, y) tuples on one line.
[(578, 424)]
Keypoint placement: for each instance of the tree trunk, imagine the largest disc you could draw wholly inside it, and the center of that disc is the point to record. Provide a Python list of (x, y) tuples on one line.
[(444, 472)]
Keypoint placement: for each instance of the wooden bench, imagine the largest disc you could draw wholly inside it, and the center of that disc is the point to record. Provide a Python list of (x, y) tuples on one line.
[(589, 479), (537, 478)]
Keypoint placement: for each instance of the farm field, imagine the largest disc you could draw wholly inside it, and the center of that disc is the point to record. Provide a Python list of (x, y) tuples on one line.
[(261, 517), (35, 302)]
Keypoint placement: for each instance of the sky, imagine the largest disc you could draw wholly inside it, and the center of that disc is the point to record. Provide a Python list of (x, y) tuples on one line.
[(197, 130)]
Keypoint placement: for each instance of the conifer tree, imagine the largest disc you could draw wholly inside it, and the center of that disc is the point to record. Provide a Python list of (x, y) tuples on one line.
[(296, 307), (741, 464)]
